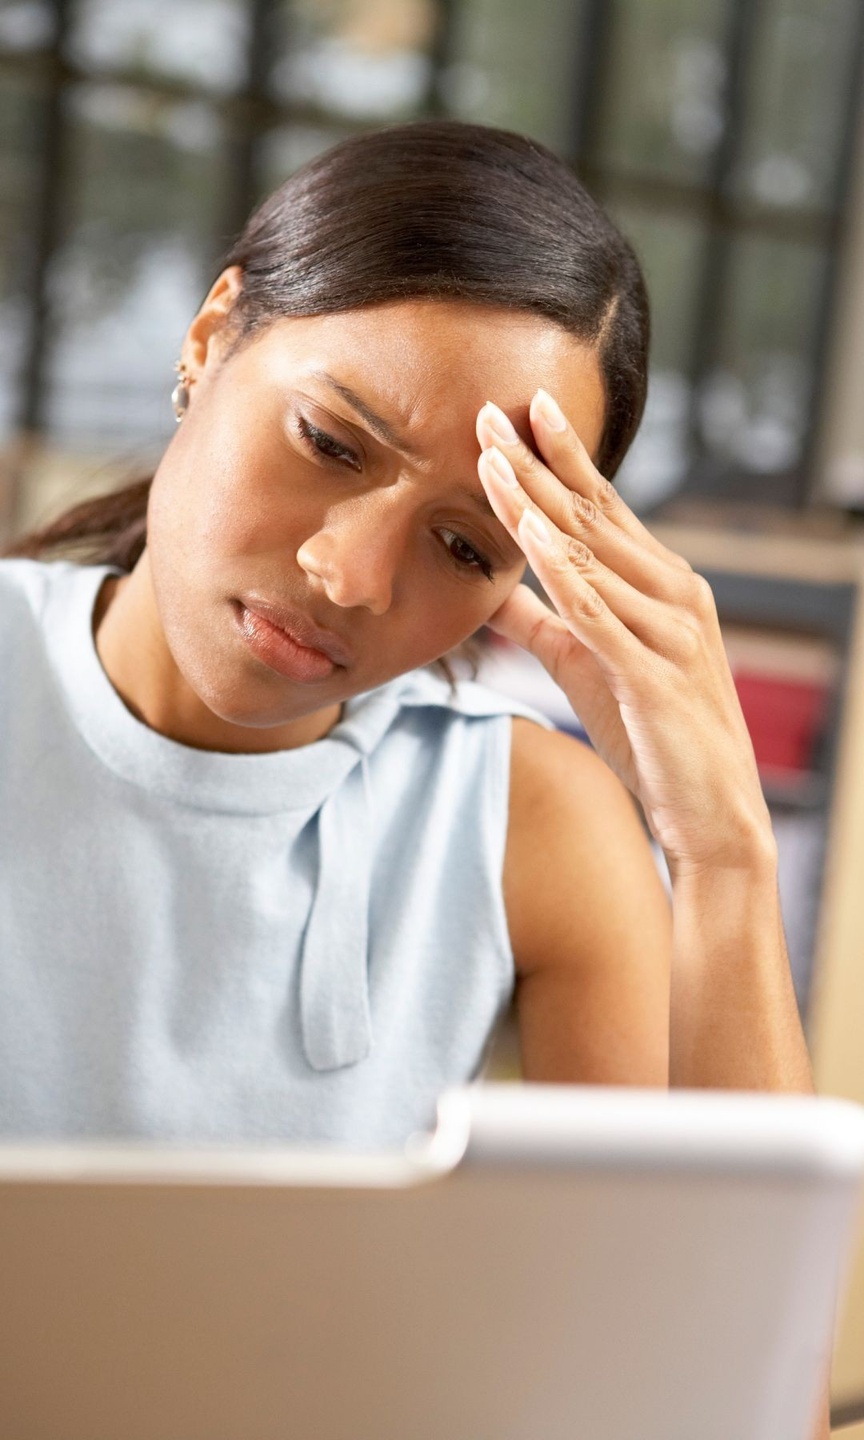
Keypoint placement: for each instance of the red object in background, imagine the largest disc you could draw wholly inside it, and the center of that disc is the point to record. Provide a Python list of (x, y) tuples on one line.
[(784, 718)]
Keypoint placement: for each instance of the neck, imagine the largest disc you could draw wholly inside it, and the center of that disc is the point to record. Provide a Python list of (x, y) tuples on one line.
[(133, 650)]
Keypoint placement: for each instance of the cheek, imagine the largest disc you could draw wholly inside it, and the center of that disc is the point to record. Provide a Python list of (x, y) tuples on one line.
[(230, 500), (490, 597), (448, 612)]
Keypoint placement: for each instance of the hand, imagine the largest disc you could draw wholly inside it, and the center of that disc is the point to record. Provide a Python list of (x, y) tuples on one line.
[(635, 644)]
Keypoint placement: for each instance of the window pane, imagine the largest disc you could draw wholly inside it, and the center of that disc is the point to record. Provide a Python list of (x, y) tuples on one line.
[(514, 65), (204, 41), (800, 76), (21, 123), (754, 408), (361, 58), (670, 249), (25, 24), (137, 258), (661, 106)]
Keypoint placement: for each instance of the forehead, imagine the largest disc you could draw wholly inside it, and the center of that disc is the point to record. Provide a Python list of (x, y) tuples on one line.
[(428, 363)]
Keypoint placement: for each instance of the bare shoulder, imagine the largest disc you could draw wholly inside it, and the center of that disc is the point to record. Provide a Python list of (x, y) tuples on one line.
[(552, 773), (572, 826), (588, 916)]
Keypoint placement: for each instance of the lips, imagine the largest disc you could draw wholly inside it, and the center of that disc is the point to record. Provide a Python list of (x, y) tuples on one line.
[(299, 628)]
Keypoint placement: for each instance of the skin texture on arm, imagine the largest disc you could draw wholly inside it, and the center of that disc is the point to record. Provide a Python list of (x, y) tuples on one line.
[(589, 920)]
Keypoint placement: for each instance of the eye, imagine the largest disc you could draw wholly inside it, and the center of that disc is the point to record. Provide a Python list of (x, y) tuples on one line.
[(464, 555), (323, 444)]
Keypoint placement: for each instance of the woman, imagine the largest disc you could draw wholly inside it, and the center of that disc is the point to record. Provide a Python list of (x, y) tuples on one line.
[(265, 871)]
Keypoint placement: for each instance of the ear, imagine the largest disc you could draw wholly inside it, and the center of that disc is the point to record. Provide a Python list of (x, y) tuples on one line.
[(202, 343)]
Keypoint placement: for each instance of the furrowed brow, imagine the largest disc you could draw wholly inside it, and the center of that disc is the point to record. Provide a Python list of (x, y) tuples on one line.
[(480, 502), (376, 423), (380, 427)]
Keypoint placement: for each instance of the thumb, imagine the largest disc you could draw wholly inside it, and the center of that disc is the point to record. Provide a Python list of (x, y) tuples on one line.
[(524, 619)]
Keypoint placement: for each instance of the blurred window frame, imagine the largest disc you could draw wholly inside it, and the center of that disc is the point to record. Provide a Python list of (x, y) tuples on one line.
[(252, 112)]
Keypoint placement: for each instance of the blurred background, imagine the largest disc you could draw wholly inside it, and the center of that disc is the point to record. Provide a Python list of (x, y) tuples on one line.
[(726, 138), (135, 135)]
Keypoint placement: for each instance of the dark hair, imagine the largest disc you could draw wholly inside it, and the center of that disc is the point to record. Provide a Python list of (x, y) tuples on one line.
[(440, 209)]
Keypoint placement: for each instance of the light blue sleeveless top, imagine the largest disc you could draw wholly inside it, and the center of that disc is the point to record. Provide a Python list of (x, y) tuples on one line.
[(308, 945)]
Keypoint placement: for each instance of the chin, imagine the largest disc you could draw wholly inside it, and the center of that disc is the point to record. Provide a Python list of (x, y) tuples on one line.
[(245, 705)]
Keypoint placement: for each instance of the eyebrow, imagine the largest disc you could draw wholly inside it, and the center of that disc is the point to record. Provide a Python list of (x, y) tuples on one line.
[(380, 427), (375, 422)]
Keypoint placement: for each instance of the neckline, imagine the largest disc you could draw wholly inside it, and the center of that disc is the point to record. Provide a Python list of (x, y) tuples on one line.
[(280, 780)]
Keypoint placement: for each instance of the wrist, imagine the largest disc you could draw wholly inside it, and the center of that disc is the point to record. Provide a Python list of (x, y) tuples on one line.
[(750, 853)]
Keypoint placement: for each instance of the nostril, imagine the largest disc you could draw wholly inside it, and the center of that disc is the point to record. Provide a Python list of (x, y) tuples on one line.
[(313, 563), (352, 575)]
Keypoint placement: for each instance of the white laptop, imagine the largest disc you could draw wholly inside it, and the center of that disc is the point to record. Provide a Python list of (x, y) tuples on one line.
[(554, 1263)]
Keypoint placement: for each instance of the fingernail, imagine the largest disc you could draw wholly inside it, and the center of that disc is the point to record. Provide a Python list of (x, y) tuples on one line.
[(549, 411), (531, 524), (498, 423), (501, 467)]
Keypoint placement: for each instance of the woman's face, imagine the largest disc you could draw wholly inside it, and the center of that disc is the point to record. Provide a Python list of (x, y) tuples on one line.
[(326, 473)]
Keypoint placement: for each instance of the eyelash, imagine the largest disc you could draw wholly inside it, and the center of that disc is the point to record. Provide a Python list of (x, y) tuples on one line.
[(319, 442), (324, 444)]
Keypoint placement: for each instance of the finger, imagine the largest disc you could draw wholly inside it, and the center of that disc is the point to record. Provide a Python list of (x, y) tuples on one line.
[(579, 518), (653, 621), (578, 499), (524, 617), (563, 448), (565, 451), (528, 622), (583, 610)]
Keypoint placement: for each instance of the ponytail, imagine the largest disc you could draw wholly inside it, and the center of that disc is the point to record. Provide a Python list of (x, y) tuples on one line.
[(103, 530)]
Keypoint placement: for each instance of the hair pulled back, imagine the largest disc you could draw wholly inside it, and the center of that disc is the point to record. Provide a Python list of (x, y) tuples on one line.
[(441, 209)]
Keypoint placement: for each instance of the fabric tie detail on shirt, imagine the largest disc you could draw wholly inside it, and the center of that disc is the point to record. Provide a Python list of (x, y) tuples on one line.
[(326, 784), (334, 977), (335, 1012), (335, 1015)]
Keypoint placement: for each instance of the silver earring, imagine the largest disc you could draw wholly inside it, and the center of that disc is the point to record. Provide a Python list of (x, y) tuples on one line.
[(180, 393)]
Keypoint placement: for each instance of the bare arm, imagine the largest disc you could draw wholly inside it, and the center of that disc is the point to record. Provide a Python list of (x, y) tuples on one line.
[(734, 1017), (589, 920), (634, 642)]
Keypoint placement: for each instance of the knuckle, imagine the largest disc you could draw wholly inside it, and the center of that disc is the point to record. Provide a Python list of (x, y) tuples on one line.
[(537, 629), (583, 512), (588, 603), (689, 640), (558, 560), (608, 498), (700, 596), (527, 461), (579, 554)]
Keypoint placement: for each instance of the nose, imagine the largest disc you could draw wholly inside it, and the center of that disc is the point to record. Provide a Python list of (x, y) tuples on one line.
[(354, 563)]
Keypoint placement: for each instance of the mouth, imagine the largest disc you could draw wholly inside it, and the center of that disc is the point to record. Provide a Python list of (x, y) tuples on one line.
[(288, 642)]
